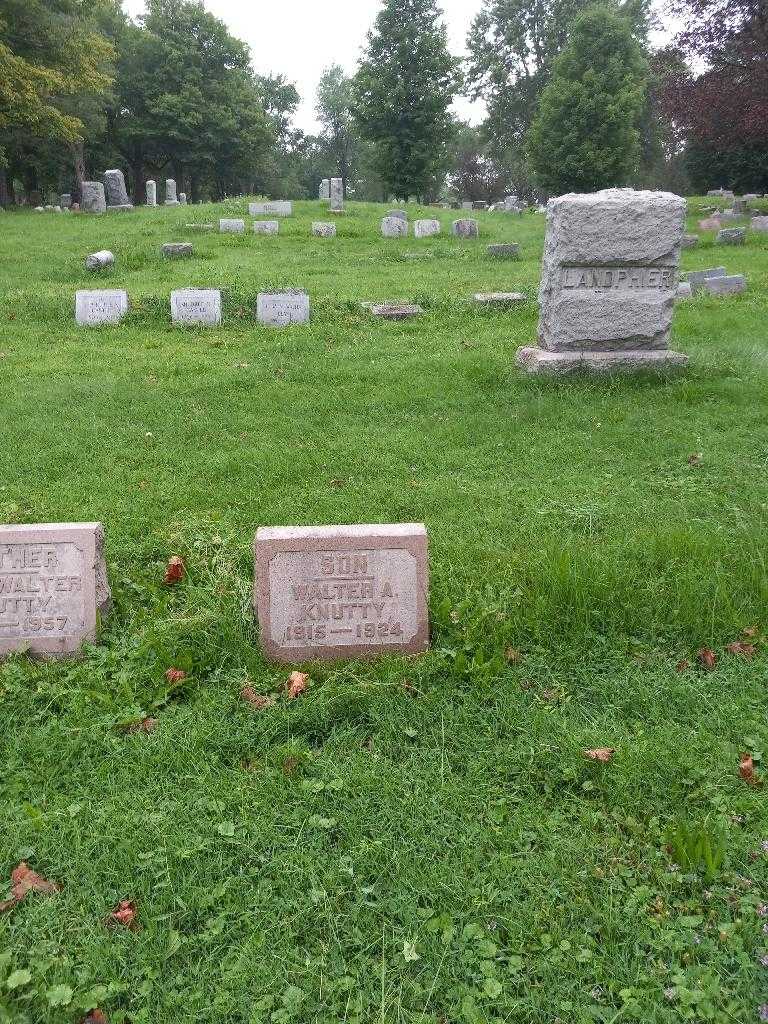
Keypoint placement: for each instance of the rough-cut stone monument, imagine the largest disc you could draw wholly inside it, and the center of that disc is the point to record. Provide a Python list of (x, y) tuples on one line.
[(426, 228), (337, 195), (608, 285), (105, 306), (115, 191), (92, 198), (281, 309), (196, 306), (335, 592), (394, 227), (170, 193), (322, 229), (53, 587), (151, 189)]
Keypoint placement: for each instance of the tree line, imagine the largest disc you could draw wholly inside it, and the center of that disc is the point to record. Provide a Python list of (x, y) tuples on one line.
[(576, 99)]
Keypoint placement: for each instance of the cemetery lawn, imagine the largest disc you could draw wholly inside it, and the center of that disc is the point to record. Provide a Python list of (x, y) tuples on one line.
[(409, 840)]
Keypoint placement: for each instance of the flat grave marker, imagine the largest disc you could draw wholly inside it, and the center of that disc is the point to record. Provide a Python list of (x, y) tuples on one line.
[(282, 309), (196, 306), (103, 306)]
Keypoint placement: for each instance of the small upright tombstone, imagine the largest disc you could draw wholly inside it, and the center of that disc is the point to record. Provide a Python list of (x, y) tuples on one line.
[(337, 195), (426, 228), (170, 193), (231, 226), (105, 306), (609, 282), (93, 199), (467, 204), (282, 309), (266, 227), (697, 278), (182, 198), (151, 189), (325, 189), (333, 592), (53, 579), (466, 228), (323, 230), (66, 200), (394, 227), (196, 306), (116, 194)]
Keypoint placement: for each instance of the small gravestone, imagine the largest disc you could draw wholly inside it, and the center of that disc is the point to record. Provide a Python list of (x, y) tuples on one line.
[(731, 236), (92, 198), (106, 306), (323, 230), (274, 208), (53, 587), (99, 260), (504, 250), (394, 310), (170, 193), (196, 306), (182, 198), (231, 226), (266, 227), (740, 207), (115, 191), (609, 281), (730, 285), (397, 213), (696, 278), (466, 228), (151, 190), (690, 241), (337, 195), (684, 291), (281, 309), (324, 191), (177, 250), (200, 227), (467, 204), (394, 227), (759, 223), (498, 298), (709, 224), (66, 200), (332, 592), (426, 228)]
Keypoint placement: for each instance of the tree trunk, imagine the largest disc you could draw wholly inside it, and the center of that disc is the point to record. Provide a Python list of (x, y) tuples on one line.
[(5, 198), (137, 169), (78, 169)]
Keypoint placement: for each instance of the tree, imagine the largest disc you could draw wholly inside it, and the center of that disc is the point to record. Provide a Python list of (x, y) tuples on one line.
[(403, 90), (333, 106), (586, 134), (474, 173)]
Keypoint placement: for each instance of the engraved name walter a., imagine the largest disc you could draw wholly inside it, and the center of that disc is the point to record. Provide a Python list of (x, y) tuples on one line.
[(619, 278), (40, 588)]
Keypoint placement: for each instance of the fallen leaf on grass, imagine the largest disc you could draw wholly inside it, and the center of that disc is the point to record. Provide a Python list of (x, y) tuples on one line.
[(175, 675), (739, 647), (512, 655), (124, 914), (696, 459), (337, 482), (682, 666), (706, 658), (24, 880), (603, 754), (297, 683), (174, 570), (140, 725), (750, 631), (747, 770), (95, 1017), (259, 701)]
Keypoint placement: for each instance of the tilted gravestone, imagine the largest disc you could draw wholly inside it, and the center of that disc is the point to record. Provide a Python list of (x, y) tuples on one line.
[(115, 191), (333, 592), (759, 223), (92, 198), (170, 193), (696, 278), (105, 306), (282, 309), (394, 227), (266, 227), (151, 189), (426, 228), (725, 285), (337, 195), (731, 236), (466, 228), (53, 587), (196, 306), (323, 230), (609, 281)]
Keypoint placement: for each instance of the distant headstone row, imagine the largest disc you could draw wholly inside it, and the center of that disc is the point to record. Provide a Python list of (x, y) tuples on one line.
[(191, 306), (326, 592), (394, 225)]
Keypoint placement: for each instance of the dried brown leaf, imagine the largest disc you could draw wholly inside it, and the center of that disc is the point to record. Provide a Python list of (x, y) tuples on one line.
[(747, 770), (24, 880), (124, 914), (297, 683), (706, 658), (740, 647), (258, 701), (512, 655), (175, 675), (174, 570), (603, 754), (683, 666)]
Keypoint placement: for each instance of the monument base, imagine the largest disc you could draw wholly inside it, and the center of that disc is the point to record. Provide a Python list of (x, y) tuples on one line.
[(119, 207), (171, 202), (543, 363)]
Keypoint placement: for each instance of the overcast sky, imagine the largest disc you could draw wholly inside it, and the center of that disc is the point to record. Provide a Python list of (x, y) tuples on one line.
[(300, 38)]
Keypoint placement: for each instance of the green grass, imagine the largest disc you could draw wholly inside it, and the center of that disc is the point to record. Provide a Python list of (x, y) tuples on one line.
[(376, 852)]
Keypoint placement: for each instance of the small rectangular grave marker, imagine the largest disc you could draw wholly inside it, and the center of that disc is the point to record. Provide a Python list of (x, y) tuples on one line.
[(231, 225), (279, 309), (53, 584), (104, 306), (342, 591), (266, 227), (196, 306), (275, 208)]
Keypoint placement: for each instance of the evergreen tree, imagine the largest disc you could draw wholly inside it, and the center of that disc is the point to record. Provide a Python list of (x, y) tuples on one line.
[(403, 90), (586, 135)]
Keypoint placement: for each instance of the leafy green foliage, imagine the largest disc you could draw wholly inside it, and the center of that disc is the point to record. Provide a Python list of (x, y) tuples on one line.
[(586, 133), (403, 90), (698, 848)]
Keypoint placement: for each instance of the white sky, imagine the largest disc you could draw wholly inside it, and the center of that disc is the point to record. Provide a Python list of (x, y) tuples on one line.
[(300, 38)]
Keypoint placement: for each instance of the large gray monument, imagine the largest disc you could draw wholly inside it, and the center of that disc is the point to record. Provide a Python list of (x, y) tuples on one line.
[(92, 199), (115, 191)]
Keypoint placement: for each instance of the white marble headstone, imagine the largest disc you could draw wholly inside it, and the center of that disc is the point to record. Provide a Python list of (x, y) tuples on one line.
[(279, 309), (102, 306), (196, 306)]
